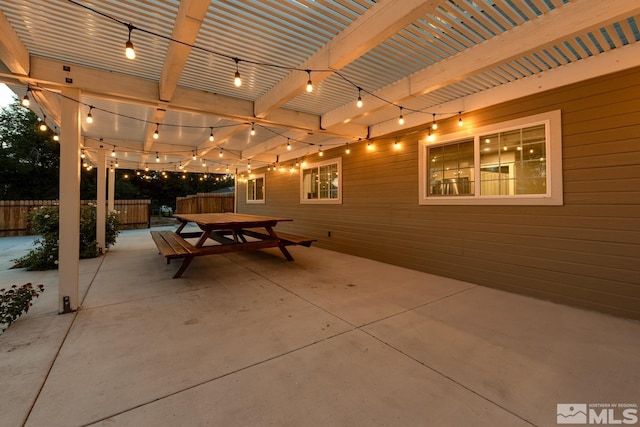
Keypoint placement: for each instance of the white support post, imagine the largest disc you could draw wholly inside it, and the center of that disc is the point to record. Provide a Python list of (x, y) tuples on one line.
[(101, 199), (69, 243), (112, 189)]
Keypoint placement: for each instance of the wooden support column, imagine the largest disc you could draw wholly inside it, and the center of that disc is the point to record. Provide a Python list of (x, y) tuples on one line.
[(69, 247), (101, 199)]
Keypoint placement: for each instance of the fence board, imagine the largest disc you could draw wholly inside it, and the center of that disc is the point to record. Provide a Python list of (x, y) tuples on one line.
[(205, 203), (133, 214)]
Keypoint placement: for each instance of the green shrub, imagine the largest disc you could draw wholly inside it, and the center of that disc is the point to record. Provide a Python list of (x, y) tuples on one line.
[(45, 221), (16, 301)]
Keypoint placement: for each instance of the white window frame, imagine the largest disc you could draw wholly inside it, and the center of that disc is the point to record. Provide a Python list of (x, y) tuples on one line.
[(553, 141), (338, 200), (249, 182)]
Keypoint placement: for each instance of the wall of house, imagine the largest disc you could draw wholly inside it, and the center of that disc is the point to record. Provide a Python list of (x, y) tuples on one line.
[(585, 253)]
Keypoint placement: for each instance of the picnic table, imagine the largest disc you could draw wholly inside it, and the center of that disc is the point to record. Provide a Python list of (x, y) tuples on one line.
[(221, 233)]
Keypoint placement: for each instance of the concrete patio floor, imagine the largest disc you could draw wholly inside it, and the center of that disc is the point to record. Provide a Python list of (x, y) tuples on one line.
[(248, 339)]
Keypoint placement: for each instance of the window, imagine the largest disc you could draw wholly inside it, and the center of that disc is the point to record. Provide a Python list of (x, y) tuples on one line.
[(515, 162), (320, 182), (255, 189)]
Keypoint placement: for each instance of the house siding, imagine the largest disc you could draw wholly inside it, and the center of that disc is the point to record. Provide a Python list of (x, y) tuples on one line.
[(584, 253)]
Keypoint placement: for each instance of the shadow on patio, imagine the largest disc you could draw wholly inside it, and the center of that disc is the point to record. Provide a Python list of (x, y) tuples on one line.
[(248, 339)]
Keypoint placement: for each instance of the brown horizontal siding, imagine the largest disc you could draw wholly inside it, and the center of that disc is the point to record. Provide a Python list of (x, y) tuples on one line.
[(585, 253)]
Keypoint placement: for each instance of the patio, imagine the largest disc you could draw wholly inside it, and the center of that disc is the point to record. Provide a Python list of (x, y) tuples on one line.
[(248, 339)]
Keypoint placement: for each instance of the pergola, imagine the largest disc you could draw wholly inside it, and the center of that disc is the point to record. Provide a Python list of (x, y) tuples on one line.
[(176, 107)]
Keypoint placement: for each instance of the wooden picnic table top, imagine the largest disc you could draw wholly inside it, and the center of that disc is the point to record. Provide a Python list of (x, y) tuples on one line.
[(229, 220)]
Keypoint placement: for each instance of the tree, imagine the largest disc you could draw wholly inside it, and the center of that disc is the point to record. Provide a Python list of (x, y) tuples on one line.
[(29, 158)]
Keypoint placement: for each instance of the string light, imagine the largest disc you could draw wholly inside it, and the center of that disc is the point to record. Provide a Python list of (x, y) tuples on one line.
[(25, 101), (434, 126), (82, 155), (401, 118), (396, 145), (211, 135), (309, 83), (320, 152), (55, 134), (369, 146), (117, 164), (181, 167), (347, 150), (204, 163), (288, 145), (249, 165), (194, 157), (220, 154), (156, 134), (157, 157), (237, 80), (460, 118), (43, 124), (89, 116), (113, 151), (253, 129), (128, 46)]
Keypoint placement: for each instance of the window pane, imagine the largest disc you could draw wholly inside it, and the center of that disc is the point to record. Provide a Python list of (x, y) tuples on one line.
[(310, 183), (329, 181), (259, 189), (513, 162), (251, 194), (451, 169)]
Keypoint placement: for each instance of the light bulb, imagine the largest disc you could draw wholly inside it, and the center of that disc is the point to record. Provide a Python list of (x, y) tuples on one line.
[(460, 119), (129, 51), (56, 137), (320, 152), (157, 157), (43, 126), (288, 146), (359, 102), (128, 46), (220, 154), (401, 118), (253, 129), (82, 155), (113, 152), (237, 80), (89, 116), (309, 83), (211, 135), (348, 150), (156, 135), (25, 101), (434, 126)]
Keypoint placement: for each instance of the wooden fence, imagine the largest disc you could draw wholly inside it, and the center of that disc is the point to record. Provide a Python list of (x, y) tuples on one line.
[(134, 214), (205, 203)]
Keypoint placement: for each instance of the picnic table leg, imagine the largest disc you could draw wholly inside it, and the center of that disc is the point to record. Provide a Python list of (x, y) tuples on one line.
[(183, 267), (183, 224), (282, 248)]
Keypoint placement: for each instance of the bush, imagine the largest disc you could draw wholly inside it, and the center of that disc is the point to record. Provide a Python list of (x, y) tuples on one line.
[(16, 301), (45, 221)]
